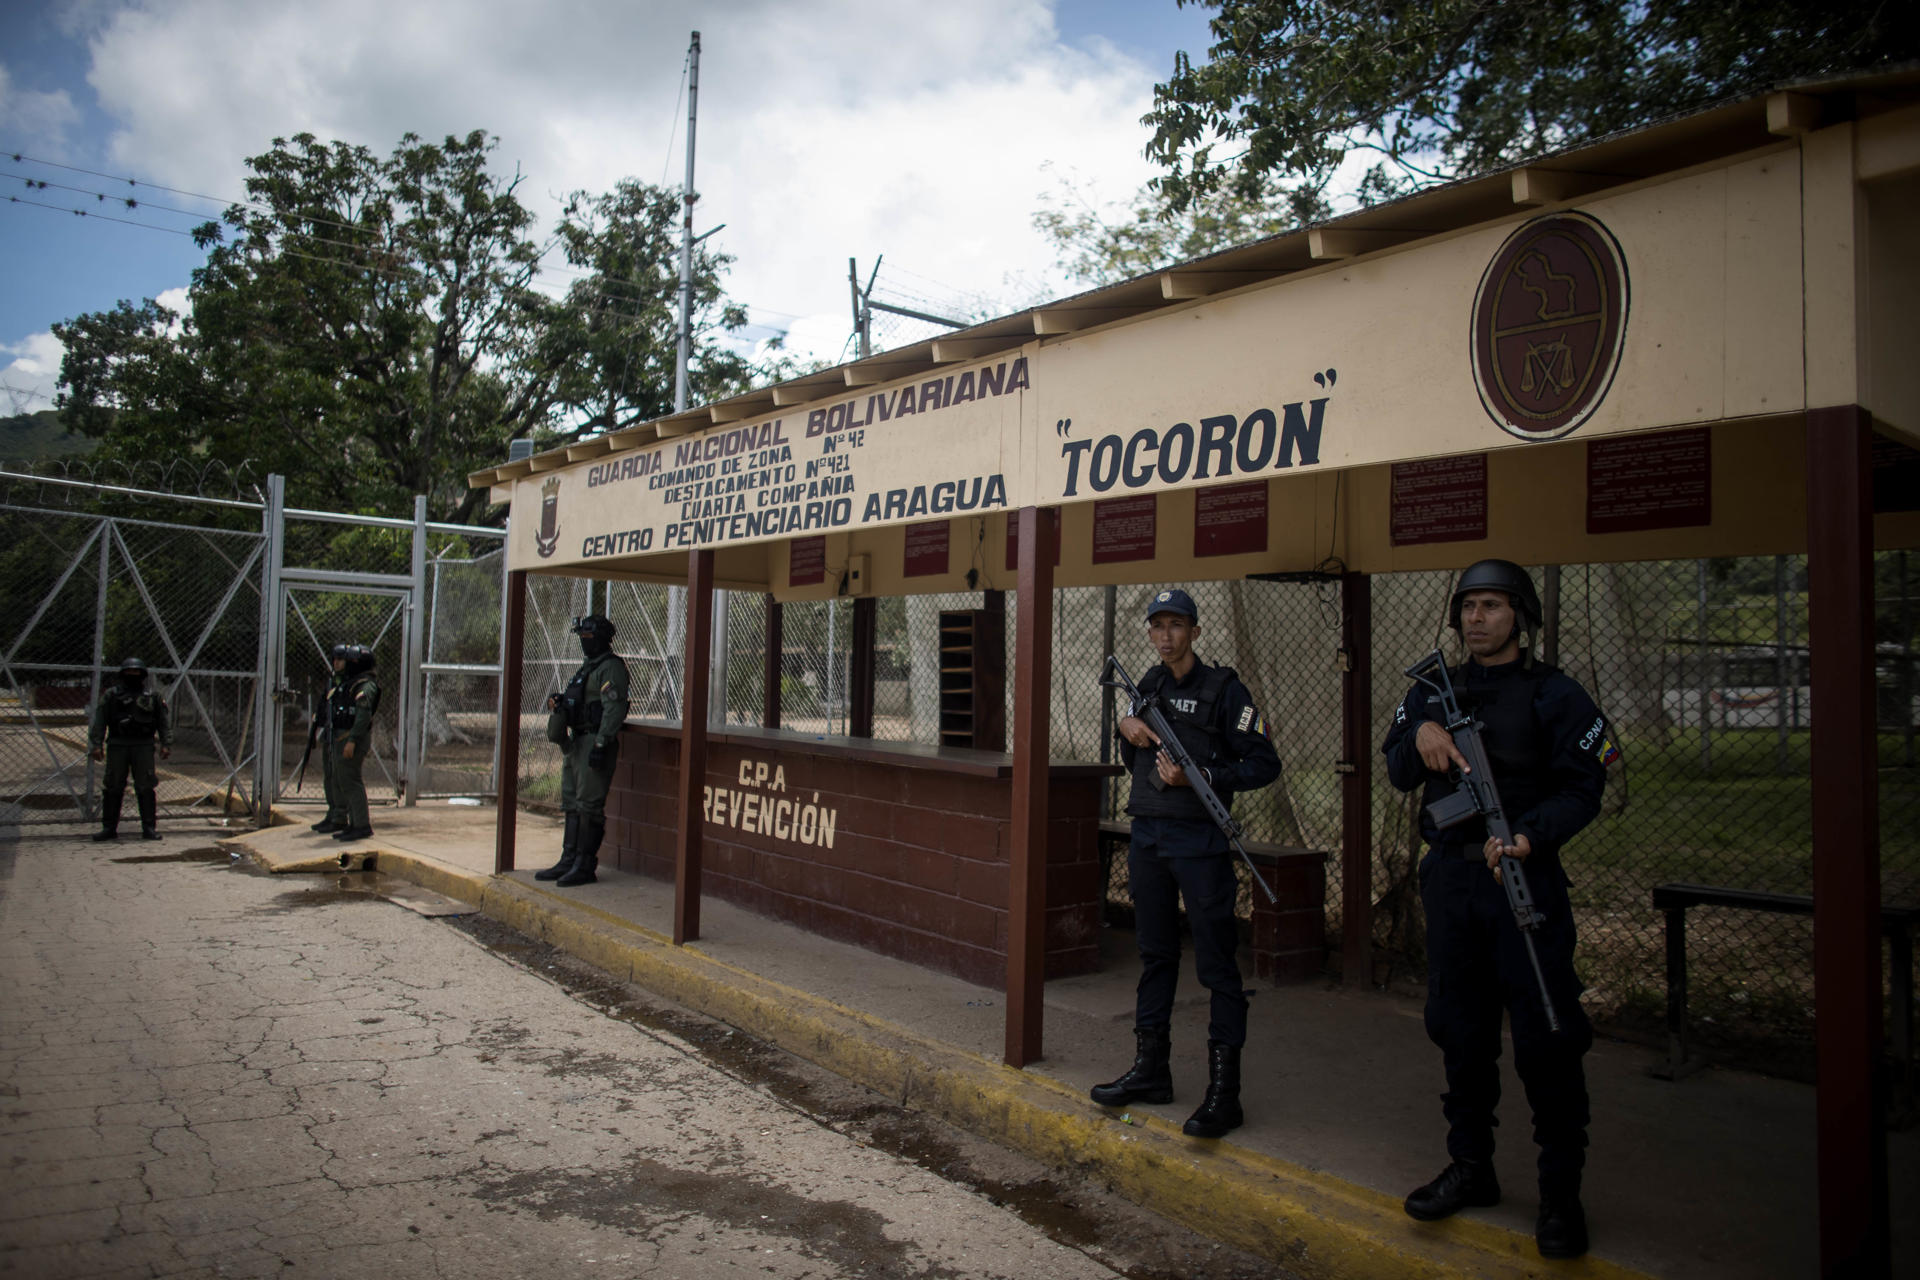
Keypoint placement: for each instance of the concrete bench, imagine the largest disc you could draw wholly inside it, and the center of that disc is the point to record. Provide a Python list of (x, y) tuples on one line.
[(1290, 936), (1897, 923)]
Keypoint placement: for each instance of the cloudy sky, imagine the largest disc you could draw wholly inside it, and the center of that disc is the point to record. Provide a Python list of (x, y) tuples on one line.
[(923, 130)]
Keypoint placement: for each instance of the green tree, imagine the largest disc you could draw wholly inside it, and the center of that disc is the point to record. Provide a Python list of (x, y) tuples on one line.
[(1100, 247), (1455, 87), (370, 327), (614, 340)]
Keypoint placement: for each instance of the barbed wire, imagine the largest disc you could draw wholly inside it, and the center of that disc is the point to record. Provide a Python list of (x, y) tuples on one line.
[(190, 477)]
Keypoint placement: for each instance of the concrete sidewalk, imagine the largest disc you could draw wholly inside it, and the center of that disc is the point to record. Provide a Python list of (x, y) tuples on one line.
[(1711, 1177)]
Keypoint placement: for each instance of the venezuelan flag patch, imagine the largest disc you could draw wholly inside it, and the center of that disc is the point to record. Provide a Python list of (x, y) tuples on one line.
[(1608, 752)]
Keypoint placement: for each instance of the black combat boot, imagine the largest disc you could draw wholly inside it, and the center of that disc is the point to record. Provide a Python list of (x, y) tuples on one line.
[(1148, 1079), (353, 833), (1219, 1111), (592, 831), (569, 850), (149, 815), (109, 819), (326, 826), (1561, 1229), (1461, 1185)]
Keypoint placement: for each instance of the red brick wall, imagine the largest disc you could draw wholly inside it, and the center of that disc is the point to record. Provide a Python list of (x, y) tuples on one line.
[(916, 868), (1290, 937)]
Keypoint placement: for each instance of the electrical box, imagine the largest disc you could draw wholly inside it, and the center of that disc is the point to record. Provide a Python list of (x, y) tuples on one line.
[(859, 576)]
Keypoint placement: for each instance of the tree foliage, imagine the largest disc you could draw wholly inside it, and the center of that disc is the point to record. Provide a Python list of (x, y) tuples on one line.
[(371, 327), (1462, 86), (1099, 247), (613, 342)]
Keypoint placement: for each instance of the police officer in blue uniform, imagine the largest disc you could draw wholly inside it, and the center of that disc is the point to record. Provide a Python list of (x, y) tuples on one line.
[(1549, 746), (1177, 852)]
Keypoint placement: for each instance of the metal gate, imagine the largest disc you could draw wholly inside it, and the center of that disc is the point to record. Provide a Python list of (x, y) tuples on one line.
[(313, 619), (84, 591), (234, 614)]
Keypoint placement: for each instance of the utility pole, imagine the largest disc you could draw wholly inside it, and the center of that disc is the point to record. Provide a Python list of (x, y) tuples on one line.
[(676, 596), (686, 237), (864, 306)]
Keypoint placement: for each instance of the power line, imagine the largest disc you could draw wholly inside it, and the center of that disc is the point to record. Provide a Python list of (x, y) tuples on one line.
[(265, 210), (570, 273), (397, 273), (607, 284), (104, 217)]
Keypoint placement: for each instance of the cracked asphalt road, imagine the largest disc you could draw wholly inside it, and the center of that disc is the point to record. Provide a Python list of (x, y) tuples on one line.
[(206, 1072)]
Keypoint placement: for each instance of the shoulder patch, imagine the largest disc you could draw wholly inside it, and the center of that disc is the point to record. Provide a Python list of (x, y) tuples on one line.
[(361, 696), (1600, 742)]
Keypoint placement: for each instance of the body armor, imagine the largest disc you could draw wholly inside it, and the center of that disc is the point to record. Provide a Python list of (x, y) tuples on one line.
[(132, 717), (1196, 732)]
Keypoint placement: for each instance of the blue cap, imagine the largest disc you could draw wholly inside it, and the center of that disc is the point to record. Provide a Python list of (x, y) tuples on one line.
[(1172, 600)]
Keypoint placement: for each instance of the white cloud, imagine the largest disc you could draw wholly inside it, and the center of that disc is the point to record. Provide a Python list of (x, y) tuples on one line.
[(40, 119), (180, 302), (833, 129), (28, 380)]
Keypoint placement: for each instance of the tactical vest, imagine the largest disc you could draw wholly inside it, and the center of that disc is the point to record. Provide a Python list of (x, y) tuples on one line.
[(1196, 731), (340, 702), (580, 700), (132, 717), (1518, 750)]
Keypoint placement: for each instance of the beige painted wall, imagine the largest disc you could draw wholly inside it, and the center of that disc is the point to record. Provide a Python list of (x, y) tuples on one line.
[(1713, 336)]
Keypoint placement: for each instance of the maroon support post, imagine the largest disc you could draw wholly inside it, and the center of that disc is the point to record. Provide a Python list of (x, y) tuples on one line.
[(694, 690), (771, 669), (866, 619), (1356, 784), (512, 662), (1850, 1107), (1032, 724)]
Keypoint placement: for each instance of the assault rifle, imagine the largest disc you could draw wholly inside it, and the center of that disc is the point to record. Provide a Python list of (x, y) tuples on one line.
[(313, 732), (1151, 710), (1476, 796)]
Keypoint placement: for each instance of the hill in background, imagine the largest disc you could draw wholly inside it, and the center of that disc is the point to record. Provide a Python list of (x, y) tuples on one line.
[(37, 437)]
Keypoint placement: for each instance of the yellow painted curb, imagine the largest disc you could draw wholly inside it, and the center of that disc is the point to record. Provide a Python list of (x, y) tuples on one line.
[(1313, 1223)]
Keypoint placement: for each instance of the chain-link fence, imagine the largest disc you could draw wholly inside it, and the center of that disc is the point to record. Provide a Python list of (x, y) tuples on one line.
[(461, 686), (95, 571), (1702, 667), (86, 591)]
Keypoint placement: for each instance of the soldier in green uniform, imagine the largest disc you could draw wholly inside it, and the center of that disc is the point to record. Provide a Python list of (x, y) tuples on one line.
[(128, 718), (351, 727), (337, 818), (584, 721)]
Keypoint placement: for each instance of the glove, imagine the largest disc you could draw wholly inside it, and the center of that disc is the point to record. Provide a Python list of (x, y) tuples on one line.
[(596, 756)]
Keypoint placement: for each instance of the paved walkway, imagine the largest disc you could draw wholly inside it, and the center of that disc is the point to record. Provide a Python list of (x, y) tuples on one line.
[(1712, 1177)]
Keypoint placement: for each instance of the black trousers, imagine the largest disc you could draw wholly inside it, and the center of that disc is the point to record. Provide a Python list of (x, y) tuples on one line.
[(1163, 867), (1477, 968)]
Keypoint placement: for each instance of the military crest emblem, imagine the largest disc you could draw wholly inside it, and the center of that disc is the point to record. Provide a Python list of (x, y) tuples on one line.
[(546, 539), (1549, 324)]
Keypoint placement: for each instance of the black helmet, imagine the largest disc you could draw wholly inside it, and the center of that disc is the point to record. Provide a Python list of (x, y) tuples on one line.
[(341, 652), (359, 658), (129, 664), (1498, 575), (593, 624)]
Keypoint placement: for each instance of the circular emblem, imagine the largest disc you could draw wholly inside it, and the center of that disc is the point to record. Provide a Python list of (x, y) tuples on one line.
[(1548, 325)]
